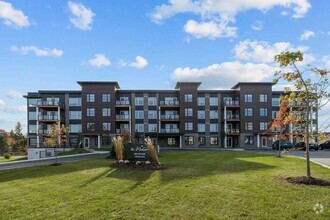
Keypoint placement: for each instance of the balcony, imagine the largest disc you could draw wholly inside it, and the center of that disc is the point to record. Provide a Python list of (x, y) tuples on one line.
[(121, 130), (170, 117), (49, 118), (43, 132), (232, 117), (170, 130), (169, 103), (123, 103), (229, 103), (232, 131), (50, 104), (123, 117)]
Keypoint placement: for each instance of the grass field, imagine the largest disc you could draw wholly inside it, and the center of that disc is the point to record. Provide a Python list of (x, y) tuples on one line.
[(12, 159), (197, 185)]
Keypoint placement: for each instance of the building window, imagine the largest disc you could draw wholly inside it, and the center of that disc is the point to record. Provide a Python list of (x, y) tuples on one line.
[(138, 100), (201, 101), (248, 98), (263, 97), (90, 126), (263, 126), (32, 141), (201, 140), (248, 112), (105, 97), (275, 102), (274, 114), (188, 112), (32, 115), (213, 101), (75, 128), (213, 127), (74, 101), (75, 115), (90, 112), (249, 140), (32, 129), (201, 114), (263, 112), (139, 115), (214, 140), (170, 141), (90, 97), (188, 126), (189, 140), (201, 127), (139, 127), (152, 101), (152, 127), (188, 97), (106, 126), (33, 102), (213, 114), (152, 114), (106, 111), (248, 126)]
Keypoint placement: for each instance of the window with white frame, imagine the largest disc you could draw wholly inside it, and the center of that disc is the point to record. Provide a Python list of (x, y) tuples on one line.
[(214, 101), (188, 97), (263, 112), (106, 126), (74, 101), (201, 101), (74, 115), (139, 127), (248, 126), (152, 127), (201, 127), (188, 112), (106, 97), (152, 101), (213, 127), (90, 97), (275, 102), (90, 112), (152, 114), (106, 111), (248, 112), (248, 97), (201, 114), (263, 126), (188, 126), (213, 114), (90, 126), (33, 102), (138, 101), (139, 114), (263, 98)]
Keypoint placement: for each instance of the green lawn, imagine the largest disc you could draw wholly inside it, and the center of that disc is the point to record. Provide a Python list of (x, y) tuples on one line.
[(2, 159), (74, 151), (197, 185)]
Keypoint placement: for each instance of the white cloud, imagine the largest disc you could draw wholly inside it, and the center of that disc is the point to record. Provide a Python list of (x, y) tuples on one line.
[(99, 61), (139, 63), (209, 29), (225, 74), (216, 15), (81, 17), (14, 94), (2, 103), (13, 109), (262, 51), (257, 25), (13, 17), (45, 52), (306, 35)]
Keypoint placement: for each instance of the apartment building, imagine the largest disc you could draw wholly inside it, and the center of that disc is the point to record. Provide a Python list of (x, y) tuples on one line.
[(183, 117)]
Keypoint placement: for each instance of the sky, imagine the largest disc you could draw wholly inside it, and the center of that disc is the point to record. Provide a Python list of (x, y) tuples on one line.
[(49, 45)]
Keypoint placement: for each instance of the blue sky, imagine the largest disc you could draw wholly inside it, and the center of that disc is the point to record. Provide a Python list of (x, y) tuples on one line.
[(49, 45)]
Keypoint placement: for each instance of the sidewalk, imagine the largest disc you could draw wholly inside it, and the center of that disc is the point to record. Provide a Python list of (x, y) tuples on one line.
[(47, 161)]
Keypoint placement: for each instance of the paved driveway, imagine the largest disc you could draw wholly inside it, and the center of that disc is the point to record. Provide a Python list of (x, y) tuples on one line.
[(46, 161)]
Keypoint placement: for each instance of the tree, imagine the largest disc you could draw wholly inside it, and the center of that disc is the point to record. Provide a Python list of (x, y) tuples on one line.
[(56, 137), (282, 120), (19, 139), (312, 86), (3, 143)]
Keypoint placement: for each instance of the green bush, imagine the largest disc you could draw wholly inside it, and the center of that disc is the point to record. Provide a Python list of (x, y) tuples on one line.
[(112, 150), (7, 156)]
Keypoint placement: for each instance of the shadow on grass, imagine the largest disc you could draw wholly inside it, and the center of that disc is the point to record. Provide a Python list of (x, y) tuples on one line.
[(48, 171)]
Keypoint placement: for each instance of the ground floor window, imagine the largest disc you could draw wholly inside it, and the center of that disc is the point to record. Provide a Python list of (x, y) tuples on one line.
[(170, 141), (214, 140), (249, 140), (189, 140), (33, 142), (201, 140), (73, 142)]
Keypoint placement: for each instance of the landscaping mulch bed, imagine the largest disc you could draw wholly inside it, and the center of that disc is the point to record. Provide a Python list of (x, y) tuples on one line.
[(141, 166), (303, 180)]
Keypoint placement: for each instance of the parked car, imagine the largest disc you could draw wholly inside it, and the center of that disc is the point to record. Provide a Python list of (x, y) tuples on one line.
[(282, 145), (325, 145), (302, 146)]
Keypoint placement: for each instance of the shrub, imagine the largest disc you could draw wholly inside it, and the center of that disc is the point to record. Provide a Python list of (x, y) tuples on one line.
[(118, 143), (7, 156), (112, 150), (152, 150)]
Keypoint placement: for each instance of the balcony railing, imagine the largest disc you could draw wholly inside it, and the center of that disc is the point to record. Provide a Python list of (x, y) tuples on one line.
[(170, 130), (232, 117), (120, 130), (122, 117), (122, 102), (170, 103), (45, 131), (50, 103), (48, 117), (170, 117), (232, 131), (231, 103)]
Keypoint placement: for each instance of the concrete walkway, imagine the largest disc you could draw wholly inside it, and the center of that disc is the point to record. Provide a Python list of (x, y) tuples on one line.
[(47, 161)]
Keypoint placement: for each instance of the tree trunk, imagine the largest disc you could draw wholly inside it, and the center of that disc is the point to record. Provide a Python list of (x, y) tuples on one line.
[(307, 140)]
